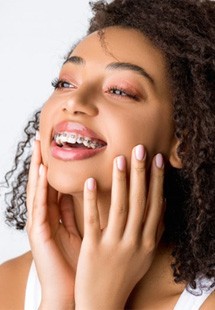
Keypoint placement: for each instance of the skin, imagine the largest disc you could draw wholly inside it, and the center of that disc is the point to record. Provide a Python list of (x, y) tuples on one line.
[(113, 221), (122, 122)]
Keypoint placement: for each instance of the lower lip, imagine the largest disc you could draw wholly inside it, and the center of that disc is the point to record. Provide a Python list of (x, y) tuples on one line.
[(69, 154)]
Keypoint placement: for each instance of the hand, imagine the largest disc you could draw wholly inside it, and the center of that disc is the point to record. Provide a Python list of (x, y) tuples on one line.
[(53, 236), (113, 260)]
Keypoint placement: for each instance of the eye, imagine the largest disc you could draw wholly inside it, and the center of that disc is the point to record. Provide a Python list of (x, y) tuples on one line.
[(60, 84), (120, 92)]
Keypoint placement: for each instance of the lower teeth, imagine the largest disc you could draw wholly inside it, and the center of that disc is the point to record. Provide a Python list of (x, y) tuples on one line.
[(77, 145)]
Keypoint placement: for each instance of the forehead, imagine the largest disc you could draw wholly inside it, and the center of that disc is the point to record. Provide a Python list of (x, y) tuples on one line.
[(123, 45)]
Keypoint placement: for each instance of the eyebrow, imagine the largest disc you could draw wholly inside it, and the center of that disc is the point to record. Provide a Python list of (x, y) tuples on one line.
[(114, 66), (75, 60), (130, 67)]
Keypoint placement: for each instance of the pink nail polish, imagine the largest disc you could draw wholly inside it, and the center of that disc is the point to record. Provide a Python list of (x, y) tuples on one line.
[(159, 161), (91, 184), (120, 161), (139, 152)]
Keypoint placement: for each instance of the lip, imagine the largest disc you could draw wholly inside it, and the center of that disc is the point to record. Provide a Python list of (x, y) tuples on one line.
[(70, 154), (76, 128)]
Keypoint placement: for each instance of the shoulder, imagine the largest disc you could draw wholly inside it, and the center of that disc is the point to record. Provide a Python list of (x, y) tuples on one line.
[(209, 303), (13, 279)]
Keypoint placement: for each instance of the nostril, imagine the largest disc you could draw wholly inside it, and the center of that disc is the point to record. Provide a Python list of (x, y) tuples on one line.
[(79, 109), (73, 111), (79, 112)]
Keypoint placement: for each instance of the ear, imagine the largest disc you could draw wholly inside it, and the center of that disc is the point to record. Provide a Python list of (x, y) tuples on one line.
[(174, 159)]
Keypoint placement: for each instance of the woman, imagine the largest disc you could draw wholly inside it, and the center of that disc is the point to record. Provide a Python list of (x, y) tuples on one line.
[(133, 103)]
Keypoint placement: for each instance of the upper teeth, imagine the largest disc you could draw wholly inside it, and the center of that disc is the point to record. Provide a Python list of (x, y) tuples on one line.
[(72, 138)]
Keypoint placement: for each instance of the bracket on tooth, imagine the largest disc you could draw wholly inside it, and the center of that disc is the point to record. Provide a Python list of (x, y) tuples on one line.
[(87, 142), (72, 138), (64, 137), (93, 144), (58, 140), (80, 140)]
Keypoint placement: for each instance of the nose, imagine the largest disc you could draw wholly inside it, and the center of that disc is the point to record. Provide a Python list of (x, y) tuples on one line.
[(80, 102)]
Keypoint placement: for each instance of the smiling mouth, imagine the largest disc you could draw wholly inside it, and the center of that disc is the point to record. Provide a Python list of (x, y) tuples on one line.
[(70, 140)]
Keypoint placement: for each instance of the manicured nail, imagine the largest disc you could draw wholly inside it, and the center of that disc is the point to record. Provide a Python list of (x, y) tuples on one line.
[(139, 152), (41, 170), (159, 161), (91, 184), (37, 137), (120, 161)]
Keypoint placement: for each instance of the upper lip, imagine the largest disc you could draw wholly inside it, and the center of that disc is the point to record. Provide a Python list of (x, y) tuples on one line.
[(78, 128)]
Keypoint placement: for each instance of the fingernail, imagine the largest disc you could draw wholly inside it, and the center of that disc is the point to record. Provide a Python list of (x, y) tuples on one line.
[(91, 184), (139, 152), (37, 136), (159, 161), (120, 161), (41, 169)]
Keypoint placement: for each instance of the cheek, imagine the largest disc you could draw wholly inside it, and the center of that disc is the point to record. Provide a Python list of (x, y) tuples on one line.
[(153, 130)]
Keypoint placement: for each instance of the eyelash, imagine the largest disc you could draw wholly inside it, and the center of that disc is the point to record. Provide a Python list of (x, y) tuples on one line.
[(121, 90), (58, 84)]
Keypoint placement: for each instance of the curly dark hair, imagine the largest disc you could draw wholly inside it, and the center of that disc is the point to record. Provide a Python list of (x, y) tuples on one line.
[(184, 31), (17, 177)]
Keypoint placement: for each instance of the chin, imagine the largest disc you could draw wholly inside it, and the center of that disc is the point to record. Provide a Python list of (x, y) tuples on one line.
[(67, 182)]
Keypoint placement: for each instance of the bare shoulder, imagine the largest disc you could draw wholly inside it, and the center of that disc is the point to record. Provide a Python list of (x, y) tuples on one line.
[(13, 279), (209, 304)]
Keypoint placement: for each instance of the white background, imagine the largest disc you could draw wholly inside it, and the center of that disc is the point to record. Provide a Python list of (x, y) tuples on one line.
[(34, 37)]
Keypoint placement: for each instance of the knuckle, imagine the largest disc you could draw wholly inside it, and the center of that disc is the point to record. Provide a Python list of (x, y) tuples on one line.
[(140, 201), (157, 180), (149, 245), (131, 244), (158, 174), (92, 219), (140, 169), (122, 210), (119, 208), (120, 177)]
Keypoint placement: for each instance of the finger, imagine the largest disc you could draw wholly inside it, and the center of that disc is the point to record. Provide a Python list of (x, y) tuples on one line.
[(137, 196), (53, 209), (39, 214), (161, 225), (33, 178), (155, 199), (160, 229), (91, 215), (68, 215), (118, 210)]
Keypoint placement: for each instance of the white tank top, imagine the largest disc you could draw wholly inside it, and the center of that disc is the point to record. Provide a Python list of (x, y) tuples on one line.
[(186, 301)]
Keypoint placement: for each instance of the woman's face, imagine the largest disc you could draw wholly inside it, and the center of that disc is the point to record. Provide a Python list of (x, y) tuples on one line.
[(112, 94)]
